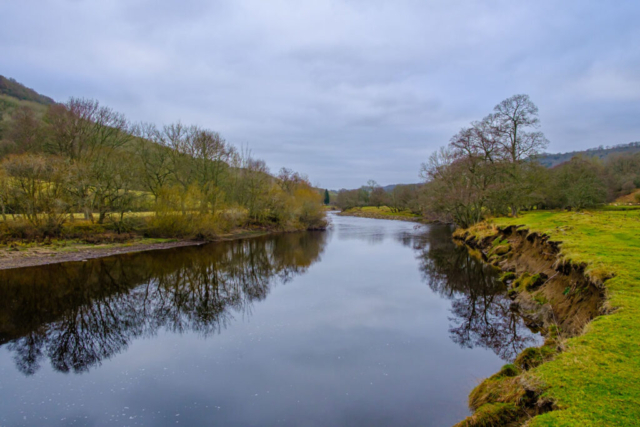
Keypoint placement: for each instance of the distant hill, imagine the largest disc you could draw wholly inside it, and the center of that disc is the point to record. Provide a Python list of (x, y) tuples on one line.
[(386, 188), (12, 88), (550, 160)]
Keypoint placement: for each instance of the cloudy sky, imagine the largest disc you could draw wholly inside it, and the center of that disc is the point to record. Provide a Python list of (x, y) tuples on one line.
[(342, 90)]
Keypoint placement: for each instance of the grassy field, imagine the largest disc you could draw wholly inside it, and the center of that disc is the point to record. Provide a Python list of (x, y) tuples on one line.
[(383, 211), (596, 381), (73, 245)]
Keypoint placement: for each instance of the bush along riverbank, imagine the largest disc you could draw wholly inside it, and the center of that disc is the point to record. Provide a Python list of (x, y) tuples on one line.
[(576, 277), (23, 245)]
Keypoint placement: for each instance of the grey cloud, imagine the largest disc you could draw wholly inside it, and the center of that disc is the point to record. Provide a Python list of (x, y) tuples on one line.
[(343, 90)]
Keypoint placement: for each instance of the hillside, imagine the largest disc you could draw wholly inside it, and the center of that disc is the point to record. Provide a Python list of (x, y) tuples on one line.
[(550, 160), (12, 88), (14, 95)]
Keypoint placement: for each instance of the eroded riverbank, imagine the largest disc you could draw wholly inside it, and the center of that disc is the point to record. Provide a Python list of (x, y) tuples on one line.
[(575, 277)]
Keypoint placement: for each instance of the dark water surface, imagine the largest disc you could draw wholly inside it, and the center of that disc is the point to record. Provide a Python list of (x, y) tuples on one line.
[(373, 323)]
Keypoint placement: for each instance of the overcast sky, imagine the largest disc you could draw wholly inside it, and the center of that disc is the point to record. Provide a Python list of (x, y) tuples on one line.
[(344, 91)]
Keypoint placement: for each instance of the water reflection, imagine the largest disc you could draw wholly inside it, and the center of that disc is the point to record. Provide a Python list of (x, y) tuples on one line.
[(481, 312), (78, 314)]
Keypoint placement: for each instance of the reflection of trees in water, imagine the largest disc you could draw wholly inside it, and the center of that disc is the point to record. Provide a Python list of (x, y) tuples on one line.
[(481, 313), (81, 313)]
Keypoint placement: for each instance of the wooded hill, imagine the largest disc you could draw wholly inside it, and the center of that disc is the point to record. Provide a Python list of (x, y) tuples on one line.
[(550, 160), (79, 157), (12, 88)]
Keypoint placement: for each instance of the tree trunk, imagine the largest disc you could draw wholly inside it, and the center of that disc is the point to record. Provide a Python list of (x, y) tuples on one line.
[(514, 212)]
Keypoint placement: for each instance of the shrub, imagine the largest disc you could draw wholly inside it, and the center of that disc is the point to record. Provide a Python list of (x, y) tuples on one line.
[(494, 388)]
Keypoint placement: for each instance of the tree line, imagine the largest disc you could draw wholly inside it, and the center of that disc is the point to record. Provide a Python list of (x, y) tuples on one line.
[(399, 198), (84, 158), (491, 168)]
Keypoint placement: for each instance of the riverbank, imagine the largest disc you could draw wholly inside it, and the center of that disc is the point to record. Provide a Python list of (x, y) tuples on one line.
[(578, 276), (19, 255), (381, 213)]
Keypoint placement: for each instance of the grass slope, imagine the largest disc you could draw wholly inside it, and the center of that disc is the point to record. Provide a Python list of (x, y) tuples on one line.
[(596, 381)]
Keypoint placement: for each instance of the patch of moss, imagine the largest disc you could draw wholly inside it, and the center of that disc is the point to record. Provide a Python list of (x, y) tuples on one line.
[(499, 241), (507, 276), (532, 357), (508, 370), (528, 282), (501, 250), (540, 299)]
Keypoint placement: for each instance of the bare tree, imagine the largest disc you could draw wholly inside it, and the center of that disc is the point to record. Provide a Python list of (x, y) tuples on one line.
[(512, 118), (25, 131), (87, 134), (81, 128), (155, 159), (39, 184), (489, 166)]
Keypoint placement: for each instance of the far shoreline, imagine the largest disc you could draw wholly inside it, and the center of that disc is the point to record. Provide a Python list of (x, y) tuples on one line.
[(376, 215), (43, 255)]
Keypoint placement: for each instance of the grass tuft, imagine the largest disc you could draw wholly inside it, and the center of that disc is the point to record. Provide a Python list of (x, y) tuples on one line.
[(491, 415)]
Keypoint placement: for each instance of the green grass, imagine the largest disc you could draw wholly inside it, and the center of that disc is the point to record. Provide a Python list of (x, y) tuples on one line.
[(73, 245), (596, 380), (383, 210)]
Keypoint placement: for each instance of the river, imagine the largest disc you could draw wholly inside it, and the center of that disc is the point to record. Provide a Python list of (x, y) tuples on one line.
[(371, 323)]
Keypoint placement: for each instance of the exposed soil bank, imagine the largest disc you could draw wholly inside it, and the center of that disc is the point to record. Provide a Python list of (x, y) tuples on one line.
[(555, 296), (556, 292), (43, 255)]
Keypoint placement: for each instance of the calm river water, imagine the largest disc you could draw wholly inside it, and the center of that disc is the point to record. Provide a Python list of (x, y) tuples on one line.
[(372, 323)]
